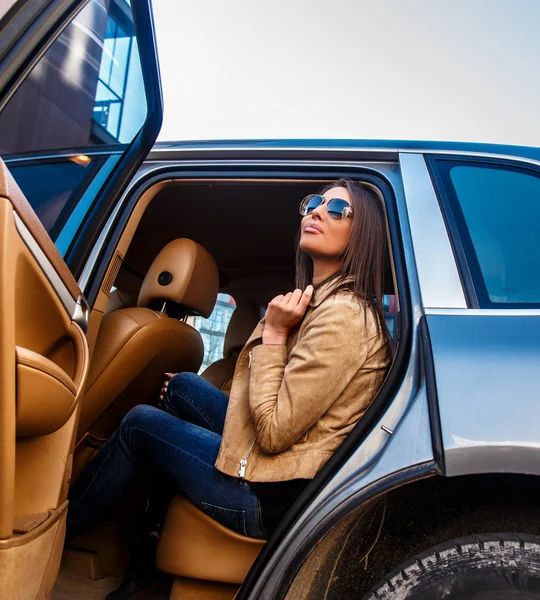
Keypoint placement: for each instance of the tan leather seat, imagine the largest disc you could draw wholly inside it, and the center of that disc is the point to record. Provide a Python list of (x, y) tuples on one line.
[(193, 545), (136, 346), (244, 319), (119, 299)]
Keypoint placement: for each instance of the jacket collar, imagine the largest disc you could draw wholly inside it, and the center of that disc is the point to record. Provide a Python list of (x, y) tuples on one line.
[(319, 296), (327, 289)]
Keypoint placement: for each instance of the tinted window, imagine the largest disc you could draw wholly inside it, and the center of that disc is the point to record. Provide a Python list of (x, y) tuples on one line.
[(86, 93), (54, 188), (496, 210)]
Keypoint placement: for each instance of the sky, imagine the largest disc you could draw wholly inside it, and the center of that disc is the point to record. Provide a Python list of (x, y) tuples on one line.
[(464, 70)]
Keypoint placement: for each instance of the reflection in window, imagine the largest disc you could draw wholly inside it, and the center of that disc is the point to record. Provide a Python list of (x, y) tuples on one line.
[(86, 90), (119, 73), (214, 328)]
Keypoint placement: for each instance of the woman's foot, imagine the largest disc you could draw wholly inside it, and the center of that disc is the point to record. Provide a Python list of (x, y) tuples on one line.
[(143, 578)]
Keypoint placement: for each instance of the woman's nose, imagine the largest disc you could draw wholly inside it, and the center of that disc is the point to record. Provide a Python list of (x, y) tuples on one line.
[(317, 212)]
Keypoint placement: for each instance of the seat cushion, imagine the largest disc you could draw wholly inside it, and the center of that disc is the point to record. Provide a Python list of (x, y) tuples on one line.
[(193, 545)]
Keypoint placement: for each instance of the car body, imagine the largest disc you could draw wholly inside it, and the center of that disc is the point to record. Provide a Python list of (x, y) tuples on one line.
[(456, 419)]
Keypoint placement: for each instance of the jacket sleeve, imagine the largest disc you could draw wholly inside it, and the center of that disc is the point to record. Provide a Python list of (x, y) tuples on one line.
[(287, 397)]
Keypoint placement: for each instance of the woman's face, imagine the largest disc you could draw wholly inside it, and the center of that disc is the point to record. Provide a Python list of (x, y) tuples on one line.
[(321, 236)]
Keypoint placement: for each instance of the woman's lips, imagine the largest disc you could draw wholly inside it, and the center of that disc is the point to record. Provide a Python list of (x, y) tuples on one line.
[(312, 228)]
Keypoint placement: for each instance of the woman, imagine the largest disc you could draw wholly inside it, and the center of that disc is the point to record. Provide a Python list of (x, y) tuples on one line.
[(306, 376)]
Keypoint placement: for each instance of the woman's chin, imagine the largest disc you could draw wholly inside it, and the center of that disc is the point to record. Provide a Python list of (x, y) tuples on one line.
[(309, 247)]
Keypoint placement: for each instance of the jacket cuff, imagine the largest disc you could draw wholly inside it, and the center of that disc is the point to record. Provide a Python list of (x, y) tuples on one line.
[(268, 356)]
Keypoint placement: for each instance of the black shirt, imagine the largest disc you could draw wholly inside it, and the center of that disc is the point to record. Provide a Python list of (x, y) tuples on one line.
[(276, 498)]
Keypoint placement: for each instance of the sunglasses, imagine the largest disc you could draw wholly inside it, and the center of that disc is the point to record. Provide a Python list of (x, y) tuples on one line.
[(336, 208)]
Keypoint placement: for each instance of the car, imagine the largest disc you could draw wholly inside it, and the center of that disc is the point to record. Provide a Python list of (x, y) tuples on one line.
[(435, 493)]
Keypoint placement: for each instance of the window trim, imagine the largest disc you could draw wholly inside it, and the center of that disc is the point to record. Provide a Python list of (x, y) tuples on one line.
[(470, 272)]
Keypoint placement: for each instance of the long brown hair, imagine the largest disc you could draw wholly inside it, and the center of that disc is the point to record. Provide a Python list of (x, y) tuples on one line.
[(365, 257)]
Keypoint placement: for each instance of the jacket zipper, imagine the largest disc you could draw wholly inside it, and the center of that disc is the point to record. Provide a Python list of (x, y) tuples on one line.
[(243, 462)]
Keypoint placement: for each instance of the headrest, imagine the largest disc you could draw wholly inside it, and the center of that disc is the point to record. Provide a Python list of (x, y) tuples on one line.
[(243, 321), (185, 273)]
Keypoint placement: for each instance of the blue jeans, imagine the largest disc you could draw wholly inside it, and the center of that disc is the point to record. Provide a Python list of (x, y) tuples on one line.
[(182, 442)]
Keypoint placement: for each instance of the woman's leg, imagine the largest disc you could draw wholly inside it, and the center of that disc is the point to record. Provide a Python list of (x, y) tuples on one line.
[(183, 452), (193, 399)]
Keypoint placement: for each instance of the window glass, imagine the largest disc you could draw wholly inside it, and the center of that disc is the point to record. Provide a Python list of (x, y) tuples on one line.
[(54, 187), (391, 315), (74, 114), (497, 211), (214, 328)]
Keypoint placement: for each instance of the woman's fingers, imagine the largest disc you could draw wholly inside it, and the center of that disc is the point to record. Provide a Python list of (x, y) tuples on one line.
[(294, 299), (170, 375), (305, 299), (286, 299)]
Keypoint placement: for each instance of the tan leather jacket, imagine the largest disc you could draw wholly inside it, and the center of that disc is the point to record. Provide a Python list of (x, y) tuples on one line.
[(291, 406)]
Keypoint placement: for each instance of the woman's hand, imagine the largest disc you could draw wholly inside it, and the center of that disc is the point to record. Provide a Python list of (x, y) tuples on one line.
[(169, 376), (283, 313)]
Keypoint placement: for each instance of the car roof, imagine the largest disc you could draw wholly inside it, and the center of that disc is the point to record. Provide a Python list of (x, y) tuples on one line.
[(530, 152)]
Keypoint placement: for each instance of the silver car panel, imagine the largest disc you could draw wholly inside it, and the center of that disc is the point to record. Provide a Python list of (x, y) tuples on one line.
[(438, 276), (409, 445), (488, 385)]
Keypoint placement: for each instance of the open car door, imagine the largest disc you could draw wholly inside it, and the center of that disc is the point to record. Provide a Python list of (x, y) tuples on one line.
[(80, 107)]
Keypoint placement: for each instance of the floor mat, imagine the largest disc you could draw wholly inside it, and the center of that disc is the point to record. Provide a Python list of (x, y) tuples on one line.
[(70, 585)]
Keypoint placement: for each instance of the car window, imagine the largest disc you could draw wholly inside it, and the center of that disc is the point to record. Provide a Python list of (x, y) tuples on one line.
[(54, 187), (496, 209), (214, 328), (70, 120)]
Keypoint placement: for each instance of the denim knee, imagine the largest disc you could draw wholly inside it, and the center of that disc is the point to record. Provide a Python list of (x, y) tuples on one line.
[(182, 382), (137, 416)]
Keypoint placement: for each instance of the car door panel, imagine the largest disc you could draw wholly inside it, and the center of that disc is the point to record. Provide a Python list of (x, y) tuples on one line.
[(43, 368), (54, 103)]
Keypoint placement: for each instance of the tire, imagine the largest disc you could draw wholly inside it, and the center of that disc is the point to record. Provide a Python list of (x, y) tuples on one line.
[(501, 566)]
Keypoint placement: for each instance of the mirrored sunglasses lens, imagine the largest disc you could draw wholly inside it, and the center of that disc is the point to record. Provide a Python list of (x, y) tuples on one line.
[(311, 204), (336, 208)]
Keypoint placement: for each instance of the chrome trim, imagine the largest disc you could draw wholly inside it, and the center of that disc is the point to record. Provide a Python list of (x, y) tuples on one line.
[(80, 315), (46, 266), (440, 285), (485, 312)]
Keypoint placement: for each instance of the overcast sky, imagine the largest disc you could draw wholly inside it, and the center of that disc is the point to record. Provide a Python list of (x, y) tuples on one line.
[(464, 70)]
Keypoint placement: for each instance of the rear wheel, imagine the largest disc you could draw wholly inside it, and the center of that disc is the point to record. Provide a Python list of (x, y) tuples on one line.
[(501, 566)]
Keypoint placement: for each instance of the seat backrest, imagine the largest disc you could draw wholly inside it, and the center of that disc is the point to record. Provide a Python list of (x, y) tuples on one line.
[(119, 299), (136, 346), (244, 319)]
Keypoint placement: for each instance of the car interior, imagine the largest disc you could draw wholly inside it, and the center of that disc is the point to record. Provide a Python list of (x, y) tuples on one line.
[(184, 242)]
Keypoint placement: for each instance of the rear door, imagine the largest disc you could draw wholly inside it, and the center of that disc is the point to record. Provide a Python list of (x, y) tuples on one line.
[(80, 107), (486, 355)]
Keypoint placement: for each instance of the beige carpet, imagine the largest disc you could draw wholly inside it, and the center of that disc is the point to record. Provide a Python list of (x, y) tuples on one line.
[(70, 586)]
